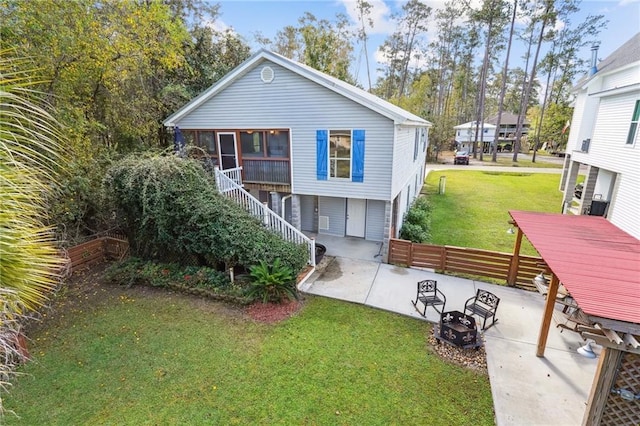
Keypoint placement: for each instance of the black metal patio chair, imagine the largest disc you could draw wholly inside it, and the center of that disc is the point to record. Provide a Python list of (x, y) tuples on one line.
[(429, 295), (484, 304)]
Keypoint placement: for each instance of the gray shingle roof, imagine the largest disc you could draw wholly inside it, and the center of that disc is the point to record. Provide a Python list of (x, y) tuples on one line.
[(626, 54)]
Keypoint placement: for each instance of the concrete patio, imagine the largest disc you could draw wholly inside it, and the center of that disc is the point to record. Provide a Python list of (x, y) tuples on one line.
[(527, 390)]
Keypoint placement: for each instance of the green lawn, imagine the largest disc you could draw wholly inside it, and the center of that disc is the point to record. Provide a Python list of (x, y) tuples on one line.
[(473, 212), (503, 161), (136, 356)]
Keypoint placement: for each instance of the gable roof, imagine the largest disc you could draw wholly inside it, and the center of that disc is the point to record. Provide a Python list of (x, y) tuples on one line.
[(508, 118), (623, 56), (472, 124), (366, 99)]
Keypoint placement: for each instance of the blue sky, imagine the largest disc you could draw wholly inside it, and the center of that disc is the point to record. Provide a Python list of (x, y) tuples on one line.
[(268, 16)]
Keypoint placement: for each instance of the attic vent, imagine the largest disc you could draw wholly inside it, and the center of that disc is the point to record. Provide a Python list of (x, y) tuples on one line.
[(267, 74), (323, 222)]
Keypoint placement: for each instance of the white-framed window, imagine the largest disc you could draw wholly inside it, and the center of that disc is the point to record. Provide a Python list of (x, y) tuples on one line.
[(340, 154), (633, 128)]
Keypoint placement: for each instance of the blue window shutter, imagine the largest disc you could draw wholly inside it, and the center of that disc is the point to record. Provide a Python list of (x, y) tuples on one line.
[(322, 151), (357, 160)]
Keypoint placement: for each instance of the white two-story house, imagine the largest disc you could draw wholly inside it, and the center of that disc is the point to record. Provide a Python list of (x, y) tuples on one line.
[(327, 156), (466, 136), (604, 138)]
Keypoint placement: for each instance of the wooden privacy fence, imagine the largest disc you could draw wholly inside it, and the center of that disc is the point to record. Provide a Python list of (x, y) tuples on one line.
[(95, 251), (483, 263)]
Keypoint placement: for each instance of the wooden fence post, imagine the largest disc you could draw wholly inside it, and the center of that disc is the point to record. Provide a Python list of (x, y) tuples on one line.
[(410, 255)]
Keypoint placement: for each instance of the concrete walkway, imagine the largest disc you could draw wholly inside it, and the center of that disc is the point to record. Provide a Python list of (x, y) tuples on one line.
[(527, 390)]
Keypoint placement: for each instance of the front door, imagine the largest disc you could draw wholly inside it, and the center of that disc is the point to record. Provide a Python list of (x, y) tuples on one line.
[(356, 213), (227, 150)]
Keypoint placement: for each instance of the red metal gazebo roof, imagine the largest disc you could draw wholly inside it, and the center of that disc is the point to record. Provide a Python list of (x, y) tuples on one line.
[(597, 262)]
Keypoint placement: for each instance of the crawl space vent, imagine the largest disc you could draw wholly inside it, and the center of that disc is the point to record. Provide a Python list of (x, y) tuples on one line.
[(323, 222), (267, 74)]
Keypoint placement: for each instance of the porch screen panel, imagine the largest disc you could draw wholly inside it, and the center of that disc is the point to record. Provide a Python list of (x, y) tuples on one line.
[(251, 143), (278, 144)]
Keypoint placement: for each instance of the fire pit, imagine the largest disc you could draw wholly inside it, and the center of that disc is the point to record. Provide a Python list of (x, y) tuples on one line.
[(457, 329)]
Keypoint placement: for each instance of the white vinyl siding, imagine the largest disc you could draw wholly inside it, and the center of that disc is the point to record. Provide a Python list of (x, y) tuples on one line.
[(621, 78), (293, 102), (375, 220), (624, 209), (608, 149), (308, 221), (609, 152), (335, 209)]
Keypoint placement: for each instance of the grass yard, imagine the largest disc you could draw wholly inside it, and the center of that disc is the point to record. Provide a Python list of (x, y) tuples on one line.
[(473, 212), (503, 161), (112, 355)]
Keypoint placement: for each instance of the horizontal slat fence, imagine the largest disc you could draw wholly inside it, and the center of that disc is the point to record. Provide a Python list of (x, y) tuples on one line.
[(96, 251), (483, 263)]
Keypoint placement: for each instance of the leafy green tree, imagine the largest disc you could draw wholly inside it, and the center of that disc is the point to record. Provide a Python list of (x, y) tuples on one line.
[(327, 45), (364, 19), (403, 46), (209, 55), (104, 63)]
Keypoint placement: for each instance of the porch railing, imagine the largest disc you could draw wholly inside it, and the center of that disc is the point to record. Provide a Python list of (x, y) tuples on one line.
[(269, 218), (235, 174), (271, 171)]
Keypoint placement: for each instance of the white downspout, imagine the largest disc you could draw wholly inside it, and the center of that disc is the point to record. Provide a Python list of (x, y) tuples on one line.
[(282, 205)]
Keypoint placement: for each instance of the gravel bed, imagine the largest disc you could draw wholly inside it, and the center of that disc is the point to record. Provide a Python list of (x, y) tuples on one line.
[(473, 359)]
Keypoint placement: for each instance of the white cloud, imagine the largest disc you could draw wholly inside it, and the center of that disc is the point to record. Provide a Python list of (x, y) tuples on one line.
[(380, 14), (218, 25), (626, 2)]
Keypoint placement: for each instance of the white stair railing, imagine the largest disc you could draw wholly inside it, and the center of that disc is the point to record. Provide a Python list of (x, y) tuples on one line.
[(269, 218), (234, 174)]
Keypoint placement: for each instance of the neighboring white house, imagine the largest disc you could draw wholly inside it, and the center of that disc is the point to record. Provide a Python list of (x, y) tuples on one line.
[(340, 160), (466, 135), (604, 138), (508, 127)]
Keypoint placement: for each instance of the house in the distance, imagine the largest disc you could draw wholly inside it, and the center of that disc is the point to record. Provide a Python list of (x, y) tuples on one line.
[(328, 157), (507, 131), (466, 136), (604, 138)]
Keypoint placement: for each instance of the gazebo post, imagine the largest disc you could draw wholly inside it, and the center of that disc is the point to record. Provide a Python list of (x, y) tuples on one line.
[(548, 313), (514, 265), (603, 381)]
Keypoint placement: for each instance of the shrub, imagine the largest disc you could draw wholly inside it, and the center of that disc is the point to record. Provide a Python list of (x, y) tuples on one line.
[(171, 275), (170, 208), (272, 283), (416, 226)]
